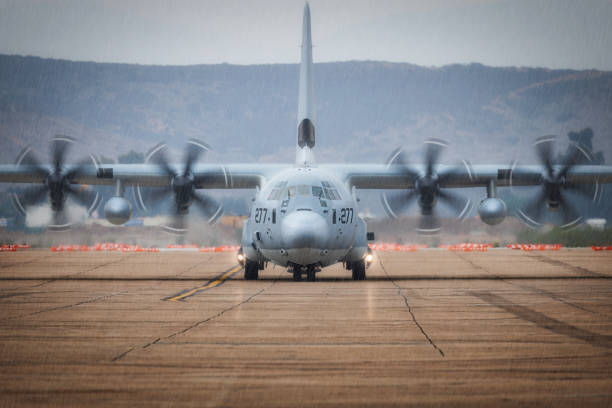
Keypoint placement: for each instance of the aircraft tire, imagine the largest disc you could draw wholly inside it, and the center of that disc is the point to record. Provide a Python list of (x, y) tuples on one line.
[(310, 274), (297, 274), (251, 270), (359, 270)]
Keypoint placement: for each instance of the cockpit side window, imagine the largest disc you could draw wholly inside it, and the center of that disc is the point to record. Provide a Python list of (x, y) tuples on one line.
[(330, 191), (275, 193)]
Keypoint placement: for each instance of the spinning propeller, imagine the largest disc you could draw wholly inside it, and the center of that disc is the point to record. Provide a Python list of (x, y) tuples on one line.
[(554, 185), (57, 183), (181, 187), (426, 189)]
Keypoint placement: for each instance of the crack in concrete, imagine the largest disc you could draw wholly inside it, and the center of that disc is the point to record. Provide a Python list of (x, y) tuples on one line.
[(194, 266), (25, 262), (196, 324), (221, 313), (414, 319), (120, 356), (51, 309), (100, 266)]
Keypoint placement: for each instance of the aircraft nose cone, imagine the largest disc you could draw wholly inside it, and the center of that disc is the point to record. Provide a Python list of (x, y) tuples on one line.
[(304, 229)]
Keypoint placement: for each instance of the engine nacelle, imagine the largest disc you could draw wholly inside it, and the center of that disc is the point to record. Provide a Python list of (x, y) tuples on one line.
[(492, 211), (117, 210)]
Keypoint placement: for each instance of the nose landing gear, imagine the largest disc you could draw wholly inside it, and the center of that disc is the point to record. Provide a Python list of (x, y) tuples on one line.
[(310, 270)]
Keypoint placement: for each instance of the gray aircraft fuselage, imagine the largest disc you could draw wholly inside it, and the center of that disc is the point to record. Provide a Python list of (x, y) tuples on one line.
[(304, 217)]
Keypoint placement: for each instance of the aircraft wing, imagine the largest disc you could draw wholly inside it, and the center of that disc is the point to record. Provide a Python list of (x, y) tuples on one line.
[(209, 176), (379, 176), (363, 176)]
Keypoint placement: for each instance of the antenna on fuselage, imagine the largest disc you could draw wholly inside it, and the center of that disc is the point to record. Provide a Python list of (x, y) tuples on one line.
[(306, 116)]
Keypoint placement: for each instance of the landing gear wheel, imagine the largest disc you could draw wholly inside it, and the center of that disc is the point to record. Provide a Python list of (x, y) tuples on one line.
[(310, 274), (251, 270), (359, 270), (297, 274)]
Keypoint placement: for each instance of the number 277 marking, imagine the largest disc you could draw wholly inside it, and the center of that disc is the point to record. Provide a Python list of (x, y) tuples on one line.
[(260, 215), (346, 215)]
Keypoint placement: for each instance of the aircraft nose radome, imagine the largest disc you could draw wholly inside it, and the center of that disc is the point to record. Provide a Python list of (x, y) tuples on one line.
[(304, 229)]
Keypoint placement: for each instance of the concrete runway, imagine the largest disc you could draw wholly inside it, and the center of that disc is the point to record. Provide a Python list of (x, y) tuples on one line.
[(429, 328)]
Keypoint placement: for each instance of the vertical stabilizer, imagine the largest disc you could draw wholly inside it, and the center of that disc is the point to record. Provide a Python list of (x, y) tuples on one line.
[(306, 119)]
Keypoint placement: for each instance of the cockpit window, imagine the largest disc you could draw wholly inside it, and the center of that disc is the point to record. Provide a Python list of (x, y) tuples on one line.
[(303, 190), (288, 192), (282, 192)]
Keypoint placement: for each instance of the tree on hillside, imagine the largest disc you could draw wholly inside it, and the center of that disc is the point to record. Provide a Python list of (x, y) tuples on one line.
[(584, 139)]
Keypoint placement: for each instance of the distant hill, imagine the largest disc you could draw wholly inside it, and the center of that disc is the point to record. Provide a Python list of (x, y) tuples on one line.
[(364, 109)]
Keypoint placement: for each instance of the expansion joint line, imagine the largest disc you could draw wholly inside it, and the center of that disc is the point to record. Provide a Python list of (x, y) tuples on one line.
[(400, 292)]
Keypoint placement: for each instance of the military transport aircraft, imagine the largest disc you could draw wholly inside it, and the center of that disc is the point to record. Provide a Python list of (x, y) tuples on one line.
[(304, 215)]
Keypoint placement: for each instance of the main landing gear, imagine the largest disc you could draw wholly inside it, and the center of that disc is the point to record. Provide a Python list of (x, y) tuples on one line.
[(358, 268), (251, 270)]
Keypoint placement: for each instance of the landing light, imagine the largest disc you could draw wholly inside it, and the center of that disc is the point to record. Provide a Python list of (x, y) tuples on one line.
[(369, 258), (240, 258)]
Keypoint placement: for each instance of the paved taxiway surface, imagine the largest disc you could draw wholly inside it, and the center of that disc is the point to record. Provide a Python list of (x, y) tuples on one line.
[(433, 327)]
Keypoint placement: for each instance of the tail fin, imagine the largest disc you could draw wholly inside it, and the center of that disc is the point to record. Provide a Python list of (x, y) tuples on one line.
[(306, 119)]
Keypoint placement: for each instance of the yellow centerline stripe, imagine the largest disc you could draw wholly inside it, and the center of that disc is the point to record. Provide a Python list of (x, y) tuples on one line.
[(212, 284)]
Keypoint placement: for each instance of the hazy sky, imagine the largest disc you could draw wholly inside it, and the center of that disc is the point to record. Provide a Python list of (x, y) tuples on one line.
[(550, 33)]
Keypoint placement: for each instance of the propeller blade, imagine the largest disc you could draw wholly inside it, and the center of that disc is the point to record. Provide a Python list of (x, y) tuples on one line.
[(60, 222), (571, 216), (396, 203), (77, 169), (432, 153), (33, 195), (194, 149), (159, 194), (162, 162), (544, 149), (574, 156), (177, 225), (59, 147), (27, 157), (458, 203), (585, 190), (208, 206), (429, 224), (85, 197), (157, 156), (532, 213), (398, 158)]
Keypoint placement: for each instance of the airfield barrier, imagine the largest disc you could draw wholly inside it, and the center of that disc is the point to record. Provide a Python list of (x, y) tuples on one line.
[(385, 246), (467, 247), (13, 247), (121, 247), (535, 247), (103, 247)]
